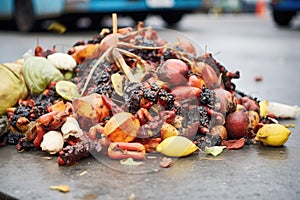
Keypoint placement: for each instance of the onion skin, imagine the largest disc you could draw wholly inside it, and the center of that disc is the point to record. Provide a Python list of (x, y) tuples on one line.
[(173, 71), (226, 99), (186, 92)]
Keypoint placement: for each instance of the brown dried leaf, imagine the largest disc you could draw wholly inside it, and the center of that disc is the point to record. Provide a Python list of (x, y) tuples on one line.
[(61, 188), (289, 125), (234, 144)]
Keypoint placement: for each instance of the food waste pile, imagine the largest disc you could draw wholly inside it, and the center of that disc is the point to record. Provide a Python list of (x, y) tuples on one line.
[(128, 92)]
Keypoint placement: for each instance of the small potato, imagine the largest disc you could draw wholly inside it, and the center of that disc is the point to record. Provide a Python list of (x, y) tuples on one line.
[(253, 118), (167, 130), (219, 130), (240, 107)]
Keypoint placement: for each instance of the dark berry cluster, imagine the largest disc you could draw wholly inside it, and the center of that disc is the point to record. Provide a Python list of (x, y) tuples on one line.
[(169, 54), (149, 94), (13, 138), (208, 97), (72, 154), (37, 107), (196, 114), (100, 81), (135, 92), (104, 85), (145, 54)]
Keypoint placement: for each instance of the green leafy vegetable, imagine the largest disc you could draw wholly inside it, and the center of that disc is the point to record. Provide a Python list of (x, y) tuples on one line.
[(38, 72)]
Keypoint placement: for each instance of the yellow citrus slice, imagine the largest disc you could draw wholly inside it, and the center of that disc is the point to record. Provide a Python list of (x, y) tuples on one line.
[(67, 90)]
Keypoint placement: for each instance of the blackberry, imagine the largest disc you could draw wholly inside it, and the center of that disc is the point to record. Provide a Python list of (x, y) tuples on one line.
[(100, 75), (140, 40), (132, 96), (204, 118), (162, 95), (169, 54), (207, 97), (42, 101), (21, 111), (134, 102), (13, 138), (170, 101), (105, 89), (35, 107), (104, 78), (149, 94), (103, 84), (146, 54), (197, 114), (134, 92)]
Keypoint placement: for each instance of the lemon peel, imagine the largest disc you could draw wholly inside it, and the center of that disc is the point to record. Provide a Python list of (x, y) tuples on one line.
[(273, 134), (176, 146), (67, 89)]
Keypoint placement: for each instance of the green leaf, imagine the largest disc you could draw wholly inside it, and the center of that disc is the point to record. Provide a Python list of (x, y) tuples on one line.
[(215, 150), (130, 161)]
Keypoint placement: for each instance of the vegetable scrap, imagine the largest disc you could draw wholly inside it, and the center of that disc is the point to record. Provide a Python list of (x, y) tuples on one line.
[(61, 188), (166, 162), (130, 161), (128, 92), (215, 150)]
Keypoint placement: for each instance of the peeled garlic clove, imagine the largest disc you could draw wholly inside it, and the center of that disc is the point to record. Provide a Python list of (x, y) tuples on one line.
[(52, 142), (71, 127), (176, 146), (62, 61)]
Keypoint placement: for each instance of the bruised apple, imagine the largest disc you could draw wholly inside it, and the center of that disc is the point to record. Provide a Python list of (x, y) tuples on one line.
[(237, 124)]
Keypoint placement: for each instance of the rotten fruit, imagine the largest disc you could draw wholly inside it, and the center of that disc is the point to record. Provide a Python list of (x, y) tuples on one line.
[(127, 93)]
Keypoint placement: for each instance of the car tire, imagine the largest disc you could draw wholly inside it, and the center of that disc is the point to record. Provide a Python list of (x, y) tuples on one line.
[(24, 16), (138, 17), (172, 18), (96, 21), (282, 18)]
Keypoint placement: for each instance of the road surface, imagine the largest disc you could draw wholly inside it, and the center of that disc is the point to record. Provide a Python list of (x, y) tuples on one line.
[(252, 45)]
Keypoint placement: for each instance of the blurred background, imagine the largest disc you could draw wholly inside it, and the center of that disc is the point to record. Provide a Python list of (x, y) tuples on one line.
[(33, 15)]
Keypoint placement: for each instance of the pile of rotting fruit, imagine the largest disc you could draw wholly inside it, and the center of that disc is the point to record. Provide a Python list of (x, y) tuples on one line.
[(127, 92)]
